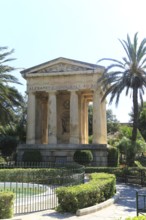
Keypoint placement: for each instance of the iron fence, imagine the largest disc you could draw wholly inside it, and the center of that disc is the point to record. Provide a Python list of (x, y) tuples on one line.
[(140, 203), (35, 184), (133, 176)]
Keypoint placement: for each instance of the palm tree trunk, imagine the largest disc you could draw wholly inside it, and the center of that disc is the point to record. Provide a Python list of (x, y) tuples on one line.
[(135, 117)]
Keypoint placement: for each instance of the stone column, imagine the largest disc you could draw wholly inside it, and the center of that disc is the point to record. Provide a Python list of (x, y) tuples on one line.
[(86, 121), (97, 118), (104, 122), (38, 115), (44, 120), (31, 110), (74, 118), (82, 121), (80, 117), (52, 118)]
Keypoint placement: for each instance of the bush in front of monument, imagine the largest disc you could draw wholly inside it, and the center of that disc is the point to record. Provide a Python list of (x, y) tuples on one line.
[(32, 156), (83, 157)]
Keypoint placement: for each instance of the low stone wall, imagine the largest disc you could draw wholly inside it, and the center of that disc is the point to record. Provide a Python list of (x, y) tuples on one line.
[(65, 152)]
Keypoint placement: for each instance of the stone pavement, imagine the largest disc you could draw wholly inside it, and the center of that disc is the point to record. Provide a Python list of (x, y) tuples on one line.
[(125, 206)]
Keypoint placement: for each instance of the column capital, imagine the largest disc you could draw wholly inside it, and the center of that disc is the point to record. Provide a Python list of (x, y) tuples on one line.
[(73, 90), (51, 92)]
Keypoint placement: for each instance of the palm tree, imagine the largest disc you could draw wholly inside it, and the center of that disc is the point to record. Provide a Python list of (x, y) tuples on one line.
[(10, 98), (128, 75)]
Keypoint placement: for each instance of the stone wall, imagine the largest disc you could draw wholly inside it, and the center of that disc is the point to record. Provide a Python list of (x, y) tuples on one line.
[(65, 152)]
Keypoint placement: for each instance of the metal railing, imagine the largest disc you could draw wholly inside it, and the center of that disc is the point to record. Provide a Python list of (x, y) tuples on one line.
[(133, 176), (35, 187), (140, 203)]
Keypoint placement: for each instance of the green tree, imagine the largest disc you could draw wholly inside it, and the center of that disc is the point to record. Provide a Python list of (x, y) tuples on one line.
[(127, 75), (141, 120), (11, 101), (112, 122), (10, 98)]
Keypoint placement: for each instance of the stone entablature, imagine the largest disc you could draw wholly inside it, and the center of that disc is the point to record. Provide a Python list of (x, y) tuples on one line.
[(36, 88), (59, 92)]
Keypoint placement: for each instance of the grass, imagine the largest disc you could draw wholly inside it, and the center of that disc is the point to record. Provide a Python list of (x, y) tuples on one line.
[(22, 191)]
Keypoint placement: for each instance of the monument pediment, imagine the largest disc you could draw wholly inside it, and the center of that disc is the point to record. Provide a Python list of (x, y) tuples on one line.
[(61, 65)]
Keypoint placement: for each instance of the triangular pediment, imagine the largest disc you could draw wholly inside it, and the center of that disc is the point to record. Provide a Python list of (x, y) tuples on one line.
[(61, 65)]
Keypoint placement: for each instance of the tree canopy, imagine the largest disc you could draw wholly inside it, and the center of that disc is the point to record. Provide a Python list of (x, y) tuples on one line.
[(10, 98), (128, 74)]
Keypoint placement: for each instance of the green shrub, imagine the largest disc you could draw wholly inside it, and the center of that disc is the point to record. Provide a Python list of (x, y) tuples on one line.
[(2, 160), (118, 171), (6, 205), (39, 175), (113, 157), (138, 164), (142, 160), (8, 145), (32, 156), (83, 157), (90, 139), (136, 218), (100, 188)]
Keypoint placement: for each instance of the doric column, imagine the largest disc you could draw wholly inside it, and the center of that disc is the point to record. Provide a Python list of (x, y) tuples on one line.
[(74, 118), (52, 122), (38, 115), (44, 120), (104, 122), (97, 118), (86, 121), (31, 110), (82, 121)]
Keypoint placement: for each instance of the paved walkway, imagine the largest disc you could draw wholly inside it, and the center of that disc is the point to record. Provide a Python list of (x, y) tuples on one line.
[(124, 207)]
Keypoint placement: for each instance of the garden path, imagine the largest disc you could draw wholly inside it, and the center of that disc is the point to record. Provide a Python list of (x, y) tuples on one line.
[(124, 207)]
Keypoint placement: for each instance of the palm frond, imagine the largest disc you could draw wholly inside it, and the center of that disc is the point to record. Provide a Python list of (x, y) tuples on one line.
[(125, 48), (110, 59), (141, 50)]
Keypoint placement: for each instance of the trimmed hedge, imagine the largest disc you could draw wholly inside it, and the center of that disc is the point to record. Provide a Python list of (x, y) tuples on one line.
[(6, 205), (38, 175), (2, 160), (117, 171), (83, 157), (100, 188), (113, 157), (136, 218), (32, 156)]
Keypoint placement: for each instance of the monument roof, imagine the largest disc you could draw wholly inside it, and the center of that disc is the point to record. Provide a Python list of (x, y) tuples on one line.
[(61, 64)]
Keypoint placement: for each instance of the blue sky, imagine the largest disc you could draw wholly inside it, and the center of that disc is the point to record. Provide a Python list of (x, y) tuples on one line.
[(86, 30)]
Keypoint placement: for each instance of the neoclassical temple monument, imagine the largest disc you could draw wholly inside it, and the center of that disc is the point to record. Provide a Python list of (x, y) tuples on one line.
[(59, 92)]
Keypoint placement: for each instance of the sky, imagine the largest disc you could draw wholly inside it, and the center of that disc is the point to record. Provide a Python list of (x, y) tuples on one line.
[(85, 30)]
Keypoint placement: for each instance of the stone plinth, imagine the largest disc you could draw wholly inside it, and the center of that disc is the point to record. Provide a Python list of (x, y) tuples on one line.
[(65, 152)]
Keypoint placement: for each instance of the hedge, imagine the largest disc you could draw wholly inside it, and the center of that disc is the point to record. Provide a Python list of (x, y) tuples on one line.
[(32, 156), (136, 218), (100, 187), (6, 205), (83, 157), (38, 175), (113, 157), (113, 170)]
